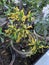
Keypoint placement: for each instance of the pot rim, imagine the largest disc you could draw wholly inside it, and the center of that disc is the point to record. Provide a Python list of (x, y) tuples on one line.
[(25, 54), (42, 37)]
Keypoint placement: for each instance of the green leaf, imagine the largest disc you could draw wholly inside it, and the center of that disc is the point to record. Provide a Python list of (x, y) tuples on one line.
[(0, 30), (2, 40)]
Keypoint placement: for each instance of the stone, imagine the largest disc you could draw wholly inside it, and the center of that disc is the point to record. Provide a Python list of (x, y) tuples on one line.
[(44, 60)]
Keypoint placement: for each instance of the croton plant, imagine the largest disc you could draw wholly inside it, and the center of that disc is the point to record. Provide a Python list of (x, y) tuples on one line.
[(18, 30)]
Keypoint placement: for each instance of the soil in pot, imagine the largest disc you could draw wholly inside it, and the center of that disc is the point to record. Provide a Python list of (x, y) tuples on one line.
[(28, 60)]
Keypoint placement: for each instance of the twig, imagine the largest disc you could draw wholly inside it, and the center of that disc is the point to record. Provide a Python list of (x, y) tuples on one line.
[(13, 59), (1, 60), (2, 21)]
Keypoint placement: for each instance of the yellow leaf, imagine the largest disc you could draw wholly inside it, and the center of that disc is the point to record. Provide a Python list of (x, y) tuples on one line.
[(29, 27), (33, 40), (7, 31), (16, 8)]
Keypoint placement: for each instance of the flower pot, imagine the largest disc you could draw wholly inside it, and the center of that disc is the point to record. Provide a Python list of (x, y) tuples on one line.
[(41, 37), (24, 55), (21, 53)]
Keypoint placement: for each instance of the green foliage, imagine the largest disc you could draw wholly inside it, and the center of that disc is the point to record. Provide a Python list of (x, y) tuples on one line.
[(18, 30), (35, 4), (1, 35), (42, 26), (6, 6)]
